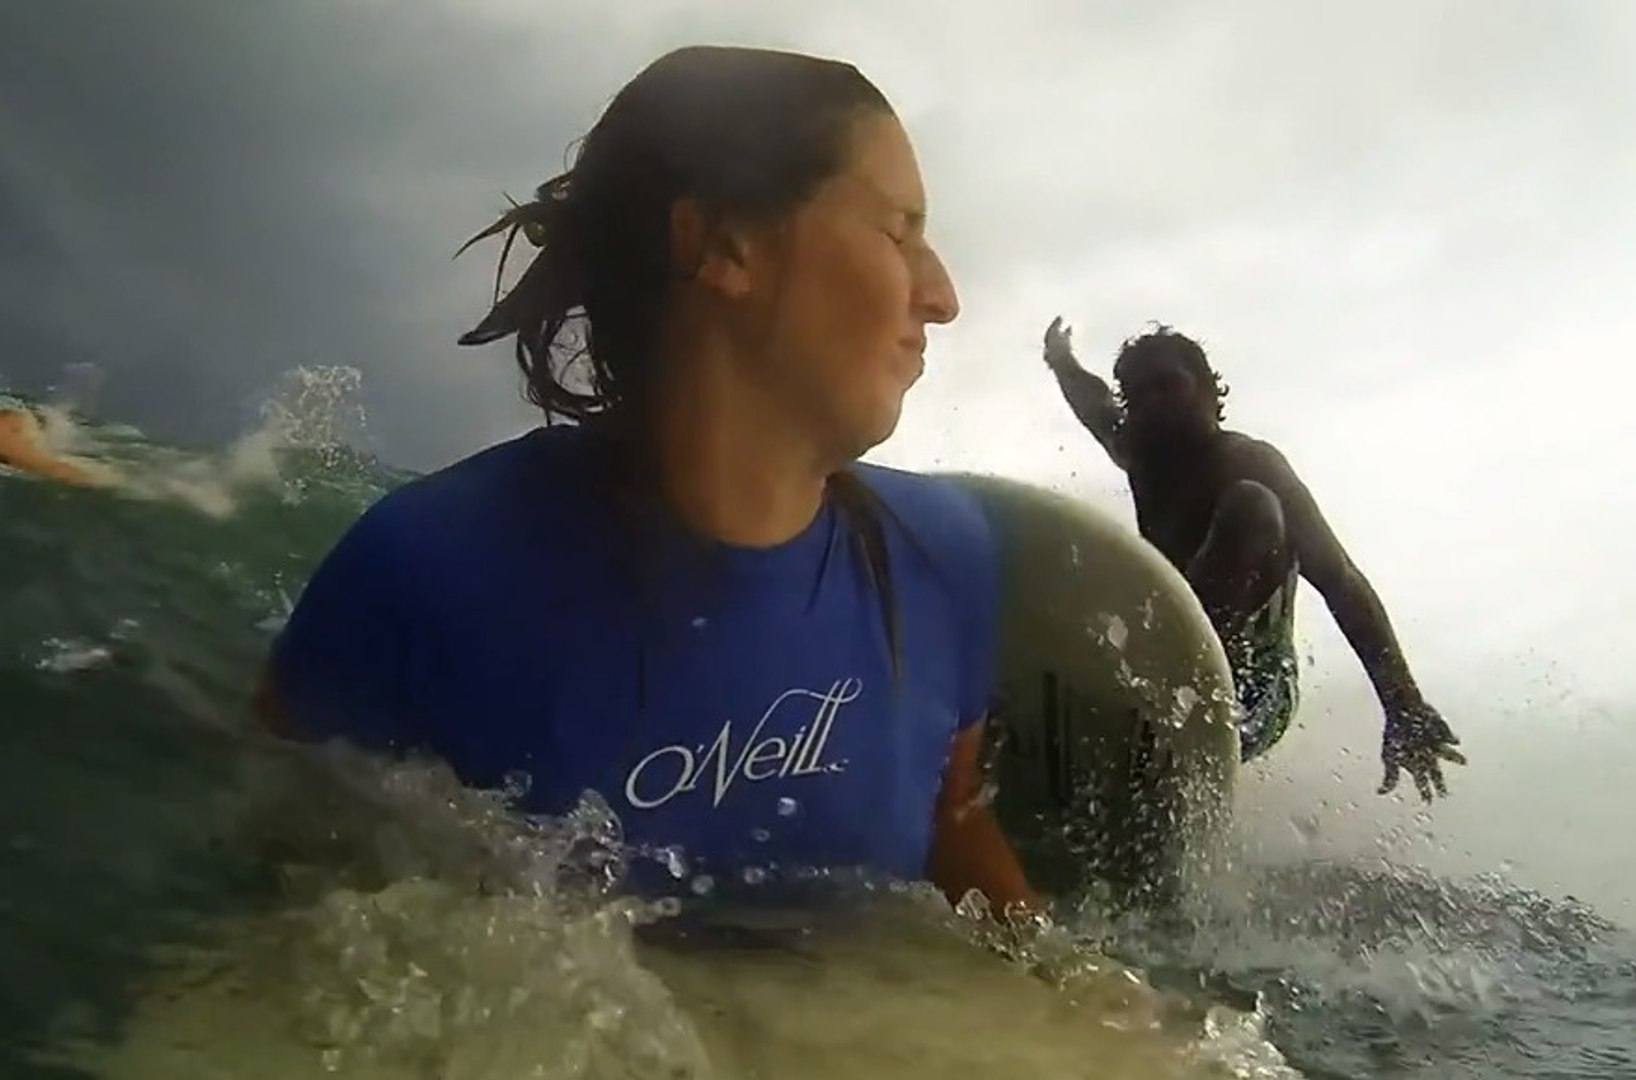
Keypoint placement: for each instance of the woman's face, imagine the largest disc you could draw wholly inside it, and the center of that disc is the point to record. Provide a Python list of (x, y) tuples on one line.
[(846, 290)]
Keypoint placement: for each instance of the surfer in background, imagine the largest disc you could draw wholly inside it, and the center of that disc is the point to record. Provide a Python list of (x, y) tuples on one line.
[(1230, 513), (691, 598), (24, 447)]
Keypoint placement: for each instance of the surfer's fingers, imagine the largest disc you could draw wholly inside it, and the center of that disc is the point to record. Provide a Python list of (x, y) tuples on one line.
[(1390, 780), (1448, 753), (1423, 783)]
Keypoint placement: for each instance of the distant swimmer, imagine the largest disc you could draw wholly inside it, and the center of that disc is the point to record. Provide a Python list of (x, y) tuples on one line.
[(1230, 513), (23, 447)]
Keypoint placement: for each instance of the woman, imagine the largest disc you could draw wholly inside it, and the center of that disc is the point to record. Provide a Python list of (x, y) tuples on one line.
[(689, 598)]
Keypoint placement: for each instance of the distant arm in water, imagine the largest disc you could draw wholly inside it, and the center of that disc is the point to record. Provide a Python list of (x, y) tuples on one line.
[(968, 849), (1416, 738), (1087, 394)]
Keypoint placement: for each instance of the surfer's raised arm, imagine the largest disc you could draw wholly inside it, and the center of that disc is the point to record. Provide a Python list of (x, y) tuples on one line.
[(1088, 394)]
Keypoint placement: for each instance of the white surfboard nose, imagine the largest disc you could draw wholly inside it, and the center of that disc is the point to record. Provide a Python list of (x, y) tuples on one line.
[(1115, 750)]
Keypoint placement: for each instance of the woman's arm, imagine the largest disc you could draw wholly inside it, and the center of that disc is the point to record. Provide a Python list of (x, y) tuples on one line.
[(968, 849)]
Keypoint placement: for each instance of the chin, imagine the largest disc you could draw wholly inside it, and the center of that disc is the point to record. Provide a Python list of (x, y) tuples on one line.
[(869, 432)]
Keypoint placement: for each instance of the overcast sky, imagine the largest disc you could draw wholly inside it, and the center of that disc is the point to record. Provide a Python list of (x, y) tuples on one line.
[(1405, 231)]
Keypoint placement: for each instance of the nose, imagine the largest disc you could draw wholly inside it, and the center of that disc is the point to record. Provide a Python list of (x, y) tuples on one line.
[(934, 297)]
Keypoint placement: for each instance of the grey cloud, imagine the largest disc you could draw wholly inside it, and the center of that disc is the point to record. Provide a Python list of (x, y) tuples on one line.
[(201, 196)]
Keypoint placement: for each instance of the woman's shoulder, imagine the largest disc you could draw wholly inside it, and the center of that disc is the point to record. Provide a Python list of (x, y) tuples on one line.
[(953, 563), (530, 477), (938, 511), (947, 535)]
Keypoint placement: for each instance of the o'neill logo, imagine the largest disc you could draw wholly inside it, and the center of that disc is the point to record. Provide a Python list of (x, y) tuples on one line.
[(672, 770)]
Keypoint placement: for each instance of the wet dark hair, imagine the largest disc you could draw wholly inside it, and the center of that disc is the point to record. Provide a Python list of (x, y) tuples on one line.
[(749, 134), (1164, 342)]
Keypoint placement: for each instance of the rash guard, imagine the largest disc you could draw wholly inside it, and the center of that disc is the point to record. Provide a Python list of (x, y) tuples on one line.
[(512, 616)]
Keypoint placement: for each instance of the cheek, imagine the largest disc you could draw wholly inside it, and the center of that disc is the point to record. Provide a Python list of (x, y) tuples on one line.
[(844, 311), (854, 301)]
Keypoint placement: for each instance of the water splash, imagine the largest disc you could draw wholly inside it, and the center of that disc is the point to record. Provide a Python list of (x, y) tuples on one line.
[(1387, 956), (318, 408)]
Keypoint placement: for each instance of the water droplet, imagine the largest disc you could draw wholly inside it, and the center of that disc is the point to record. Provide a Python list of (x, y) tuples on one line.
[(1117, 632), (754, 875), (673, 861), (1307, 828), (703, 885), (761, 836), (699, 622), (787, 807), (517, 782)]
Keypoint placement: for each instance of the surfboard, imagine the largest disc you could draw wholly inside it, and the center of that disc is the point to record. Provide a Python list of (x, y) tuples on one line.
[(1113, 748)]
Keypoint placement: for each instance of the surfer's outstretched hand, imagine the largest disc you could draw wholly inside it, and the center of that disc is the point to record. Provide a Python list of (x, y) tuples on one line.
[(1418, 739), (1059, 343)]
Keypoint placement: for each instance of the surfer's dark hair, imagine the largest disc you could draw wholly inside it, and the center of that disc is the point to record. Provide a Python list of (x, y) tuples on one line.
[(747, 134), (1166, 342)]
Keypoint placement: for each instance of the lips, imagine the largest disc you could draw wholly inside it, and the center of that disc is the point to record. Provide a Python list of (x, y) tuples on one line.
[(918, 368), (914, 353)]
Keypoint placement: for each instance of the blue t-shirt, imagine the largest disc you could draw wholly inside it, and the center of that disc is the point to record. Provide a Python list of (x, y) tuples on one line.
[(511, 615)]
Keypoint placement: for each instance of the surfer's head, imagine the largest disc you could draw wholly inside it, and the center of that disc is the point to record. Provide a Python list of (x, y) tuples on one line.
[(19, 430), (1167, 386), (742, 224)]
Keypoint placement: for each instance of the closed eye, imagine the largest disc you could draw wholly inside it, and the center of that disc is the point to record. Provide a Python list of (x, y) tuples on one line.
[(909, 226)]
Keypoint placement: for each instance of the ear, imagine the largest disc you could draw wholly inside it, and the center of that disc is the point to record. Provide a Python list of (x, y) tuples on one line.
[(709, 250)]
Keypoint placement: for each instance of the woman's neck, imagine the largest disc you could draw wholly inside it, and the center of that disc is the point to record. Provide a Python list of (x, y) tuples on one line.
[(733, 467)]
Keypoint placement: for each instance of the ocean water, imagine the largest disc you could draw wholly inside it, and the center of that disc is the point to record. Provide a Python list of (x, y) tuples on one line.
[(182, 897)]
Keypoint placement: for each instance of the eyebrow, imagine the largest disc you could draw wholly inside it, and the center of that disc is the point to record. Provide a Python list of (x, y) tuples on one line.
[(914, 216)]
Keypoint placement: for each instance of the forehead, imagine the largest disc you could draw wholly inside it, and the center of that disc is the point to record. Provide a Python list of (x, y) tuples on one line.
[(881, 167), (1152, 367)]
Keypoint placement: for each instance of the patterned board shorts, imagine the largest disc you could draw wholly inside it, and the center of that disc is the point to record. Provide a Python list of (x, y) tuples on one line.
[(1267, 674)]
